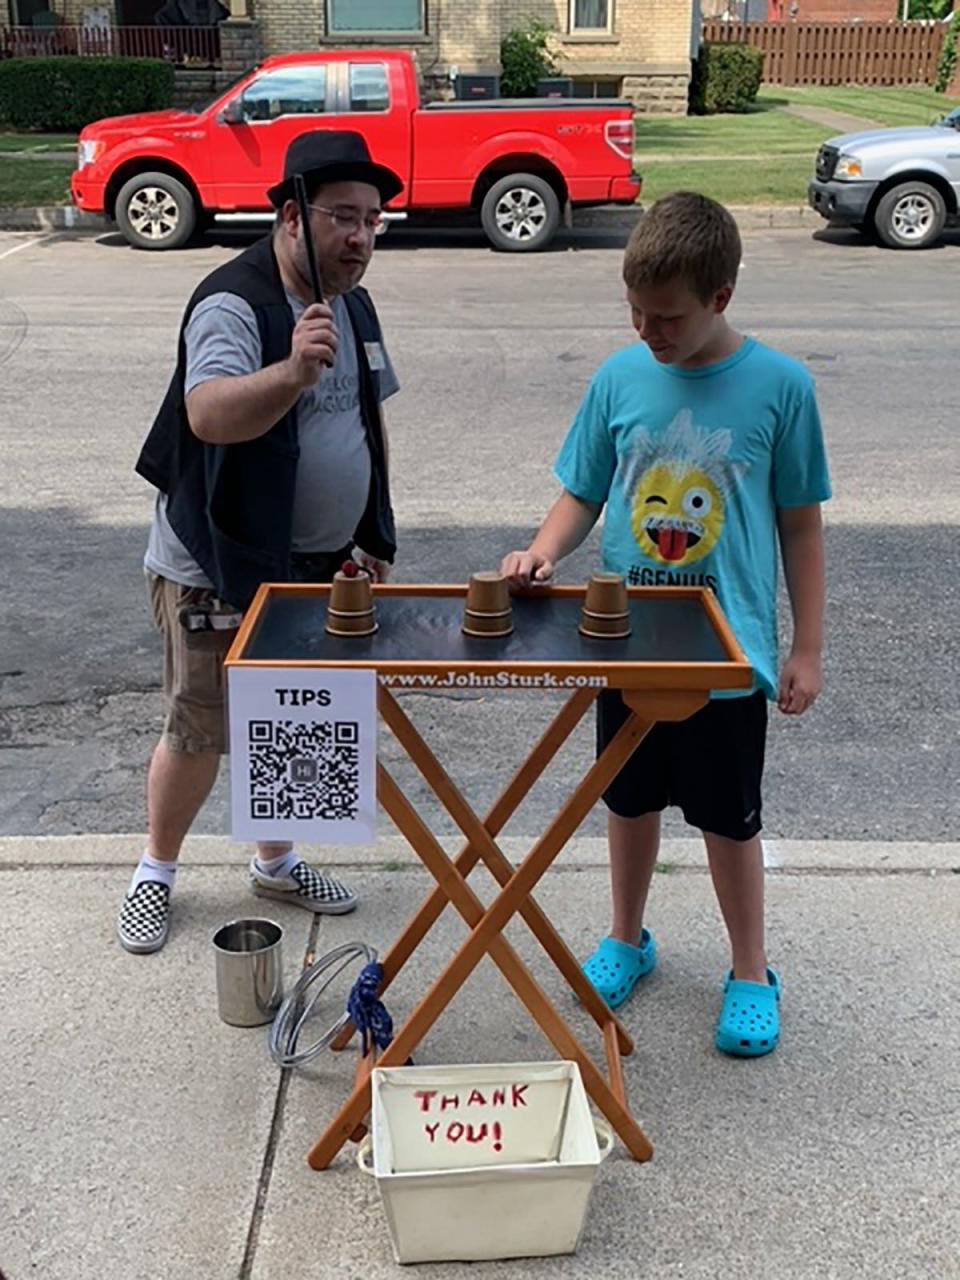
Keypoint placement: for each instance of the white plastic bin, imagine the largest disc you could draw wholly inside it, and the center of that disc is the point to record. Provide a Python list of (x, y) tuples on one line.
[(485, 1161)]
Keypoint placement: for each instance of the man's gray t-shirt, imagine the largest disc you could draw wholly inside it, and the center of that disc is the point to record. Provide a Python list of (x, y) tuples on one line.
[(333, 470)]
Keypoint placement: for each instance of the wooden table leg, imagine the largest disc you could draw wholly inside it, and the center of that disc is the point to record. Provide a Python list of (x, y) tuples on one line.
[(485, 939), (529, 992), (501, 868), (365, 1064), (569, 716), (614, 1064)]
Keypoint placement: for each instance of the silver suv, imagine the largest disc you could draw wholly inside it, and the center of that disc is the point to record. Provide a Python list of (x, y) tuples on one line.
[(902, 185)]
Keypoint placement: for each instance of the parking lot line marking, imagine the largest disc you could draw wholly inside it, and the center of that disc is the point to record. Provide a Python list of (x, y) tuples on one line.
[(24, 245)]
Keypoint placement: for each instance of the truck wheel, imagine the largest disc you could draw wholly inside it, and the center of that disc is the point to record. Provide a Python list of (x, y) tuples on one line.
[(155, 211), (520, 213), (911, 216)]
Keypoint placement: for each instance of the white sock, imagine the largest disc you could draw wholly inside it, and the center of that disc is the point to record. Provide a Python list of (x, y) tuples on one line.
[(282, 865), (152, 869)]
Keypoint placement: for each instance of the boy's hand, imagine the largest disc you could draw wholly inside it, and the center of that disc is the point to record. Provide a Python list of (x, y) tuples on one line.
[(526, 568), (801, 682)]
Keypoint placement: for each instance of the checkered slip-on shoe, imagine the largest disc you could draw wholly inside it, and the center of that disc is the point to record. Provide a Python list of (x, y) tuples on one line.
[(145, 917), (304, 887)]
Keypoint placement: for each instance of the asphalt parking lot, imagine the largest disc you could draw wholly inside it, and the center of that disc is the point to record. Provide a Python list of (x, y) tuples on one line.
[(493, 353)]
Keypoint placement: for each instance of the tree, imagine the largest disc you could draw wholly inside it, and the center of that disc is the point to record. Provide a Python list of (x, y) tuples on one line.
[(929, 10)]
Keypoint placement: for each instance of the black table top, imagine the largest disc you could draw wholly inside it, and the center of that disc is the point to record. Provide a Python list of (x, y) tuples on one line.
[(428, 629)]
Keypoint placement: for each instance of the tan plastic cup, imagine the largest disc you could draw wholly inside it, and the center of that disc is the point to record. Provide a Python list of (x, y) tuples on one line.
[(488, 593), (606, 608), (488, 624), (488, 610), (606, 594), (351, 610), (351, 624), (351, 595)]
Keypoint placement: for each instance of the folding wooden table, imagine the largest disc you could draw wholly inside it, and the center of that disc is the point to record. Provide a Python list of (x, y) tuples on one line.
[(680, 649)]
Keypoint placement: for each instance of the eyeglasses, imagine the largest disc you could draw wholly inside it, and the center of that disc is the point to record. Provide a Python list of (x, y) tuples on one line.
[(350, 222)]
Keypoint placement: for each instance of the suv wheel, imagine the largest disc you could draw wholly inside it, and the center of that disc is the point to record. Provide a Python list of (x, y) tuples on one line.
[(155, 211), (911, 216)]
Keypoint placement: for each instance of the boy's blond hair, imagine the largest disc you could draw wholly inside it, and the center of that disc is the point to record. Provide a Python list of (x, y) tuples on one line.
[(688, 237)]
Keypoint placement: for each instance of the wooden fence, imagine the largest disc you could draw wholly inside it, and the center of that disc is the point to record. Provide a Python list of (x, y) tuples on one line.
[(867, 53)]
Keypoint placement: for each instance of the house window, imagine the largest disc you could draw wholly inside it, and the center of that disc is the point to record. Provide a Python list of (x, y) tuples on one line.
[(375, 17), (596, 88), (591, 15), (369, 87), (292, 91)]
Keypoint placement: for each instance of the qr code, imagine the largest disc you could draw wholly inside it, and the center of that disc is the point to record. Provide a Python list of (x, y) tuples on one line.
[(304, 771)]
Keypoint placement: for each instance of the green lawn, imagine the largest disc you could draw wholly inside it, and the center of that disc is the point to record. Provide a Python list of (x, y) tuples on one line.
[(781, 147), (769, 180), (765, 131), (37, 142), (886, 106), (34, 182)]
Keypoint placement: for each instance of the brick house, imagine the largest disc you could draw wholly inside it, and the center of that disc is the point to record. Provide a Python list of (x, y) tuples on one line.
[(639, 49)]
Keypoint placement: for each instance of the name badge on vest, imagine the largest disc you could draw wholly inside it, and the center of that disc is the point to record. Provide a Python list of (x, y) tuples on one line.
[(375, 357)]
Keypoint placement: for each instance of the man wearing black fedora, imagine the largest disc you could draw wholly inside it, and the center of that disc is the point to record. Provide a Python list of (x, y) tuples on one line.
[(269, 457)]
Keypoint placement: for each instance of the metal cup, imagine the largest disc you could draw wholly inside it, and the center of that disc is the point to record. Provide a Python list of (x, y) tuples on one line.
[(249, 971)]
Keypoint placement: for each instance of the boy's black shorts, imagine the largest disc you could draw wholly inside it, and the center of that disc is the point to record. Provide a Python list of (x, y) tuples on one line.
[(710, 766)]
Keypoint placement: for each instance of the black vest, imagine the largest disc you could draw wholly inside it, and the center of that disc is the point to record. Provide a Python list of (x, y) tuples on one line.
[(232, 505)]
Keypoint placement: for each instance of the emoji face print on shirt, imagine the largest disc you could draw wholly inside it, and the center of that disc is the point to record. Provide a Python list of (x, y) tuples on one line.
[(678, 485)]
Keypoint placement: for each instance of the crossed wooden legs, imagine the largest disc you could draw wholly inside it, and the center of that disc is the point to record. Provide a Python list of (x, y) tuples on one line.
[(487, 924)]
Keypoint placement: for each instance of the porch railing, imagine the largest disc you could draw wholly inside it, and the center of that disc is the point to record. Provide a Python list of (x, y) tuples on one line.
[(183, 46)]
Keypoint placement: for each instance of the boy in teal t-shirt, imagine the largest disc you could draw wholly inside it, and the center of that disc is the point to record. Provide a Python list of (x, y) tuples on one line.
[(706, 450)]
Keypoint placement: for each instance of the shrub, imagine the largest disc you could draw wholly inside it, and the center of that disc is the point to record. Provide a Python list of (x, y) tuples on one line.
[(525, 58), (726, 77), (64, 94), (948, 57)]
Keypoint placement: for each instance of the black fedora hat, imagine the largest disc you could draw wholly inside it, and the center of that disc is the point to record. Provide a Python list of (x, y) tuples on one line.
[(332, 155)]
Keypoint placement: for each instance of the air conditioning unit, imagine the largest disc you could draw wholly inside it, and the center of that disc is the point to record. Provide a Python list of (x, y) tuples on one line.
[(556, 87), (480, 87)]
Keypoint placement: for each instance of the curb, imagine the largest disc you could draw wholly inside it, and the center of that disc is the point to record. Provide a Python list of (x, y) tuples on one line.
[(749, 217), (391, 852), (50, 218)]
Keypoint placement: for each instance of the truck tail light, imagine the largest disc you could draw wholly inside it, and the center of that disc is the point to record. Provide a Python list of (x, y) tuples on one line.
[(619, 136)]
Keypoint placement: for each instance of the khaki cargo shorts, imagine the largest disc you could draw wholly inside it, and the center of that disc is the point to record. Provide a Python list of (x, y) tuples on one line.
[(193, 676)]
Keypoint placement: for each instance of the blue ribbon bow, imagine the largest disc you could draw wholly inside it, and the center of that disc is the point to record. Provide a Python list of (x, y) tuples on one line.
[(367, 1011)]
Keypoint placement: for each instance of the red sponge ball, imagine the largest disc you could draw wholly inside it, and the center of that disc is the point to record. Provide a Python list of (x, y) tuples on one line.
[(349, 568)]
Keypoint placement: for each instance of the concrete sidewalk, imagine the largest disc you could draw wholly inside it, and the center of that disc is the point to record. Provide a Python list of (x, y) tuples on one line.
[(144, 1139), (838, 120)]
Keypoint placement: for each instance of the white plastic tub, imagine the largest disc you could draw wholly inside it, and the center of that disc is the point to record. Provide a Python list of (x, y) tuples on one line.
[(485, 1161)]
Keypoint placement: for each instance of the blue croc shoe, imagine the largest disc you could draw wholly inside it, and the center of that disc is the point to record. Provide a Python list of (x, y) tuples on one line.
[(749, 1023), (615, 967)]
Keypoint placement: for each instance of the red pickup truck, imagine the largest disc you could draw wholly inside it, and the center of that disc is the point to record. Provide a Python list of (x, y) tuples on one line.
[(518, 164)]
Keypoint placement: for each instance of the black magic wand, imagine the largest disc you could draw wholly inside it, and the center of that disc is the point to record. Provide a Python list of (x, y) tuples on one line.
[(301, 190)]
